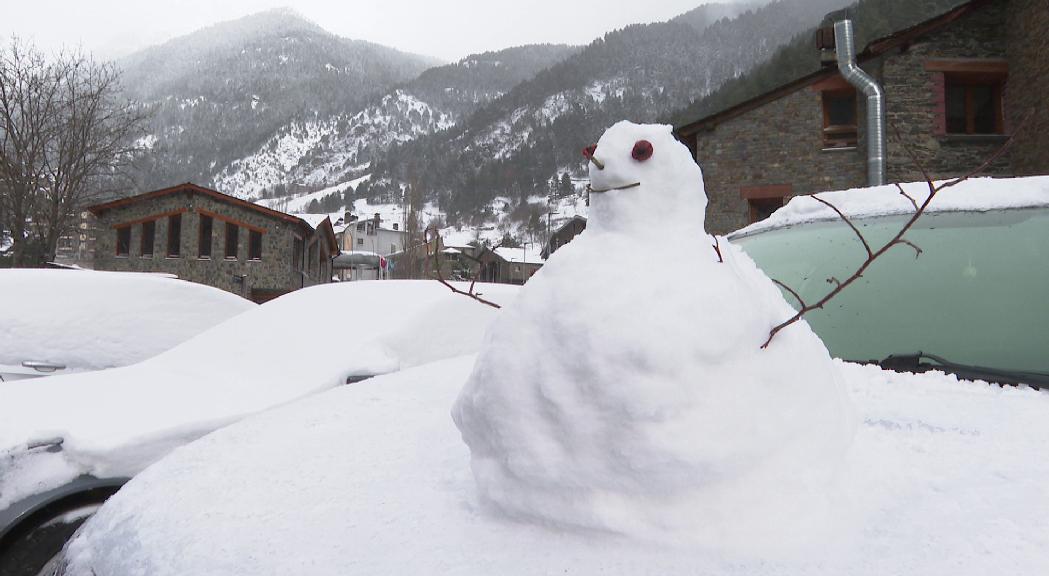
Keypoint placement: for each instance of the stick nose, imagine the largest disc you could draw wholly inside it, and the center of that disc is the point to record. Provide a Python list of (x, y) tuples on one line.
[(589, 152)]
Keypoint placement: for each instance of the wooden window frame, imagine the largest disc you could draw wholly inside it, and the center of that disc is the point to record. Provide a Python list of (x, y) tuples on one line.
[(174, 240), (968, 71), (121, 230), (967, 82), (762, 196), (232, 238), (146, 249), (205, 240), (842, 135), (254, 246)]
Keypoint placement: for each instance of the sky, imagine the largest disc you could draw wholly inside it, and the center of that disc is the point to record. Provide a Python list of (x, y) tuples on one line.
[(448, 29)]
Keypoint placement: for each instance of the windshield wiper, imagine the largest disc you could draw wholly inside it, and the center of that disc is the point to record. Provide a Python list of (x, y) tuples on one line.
[(913, 363)]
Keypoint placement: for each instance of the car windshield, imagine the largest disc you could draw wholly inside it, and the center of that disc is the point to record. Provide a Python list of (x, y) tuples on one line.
[(977, 295)]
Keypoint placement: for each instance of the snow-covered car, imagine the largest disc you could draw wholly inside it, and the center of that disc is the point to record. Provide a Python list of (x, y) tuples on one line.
[(972, 303), (68, 442), (67, 321), (375, 479)]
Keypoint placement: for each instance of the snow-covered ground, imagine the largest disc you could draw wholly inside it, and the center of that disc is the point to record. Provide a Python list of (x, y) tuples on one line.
[(116, 422), (945, 478), (89, 320)]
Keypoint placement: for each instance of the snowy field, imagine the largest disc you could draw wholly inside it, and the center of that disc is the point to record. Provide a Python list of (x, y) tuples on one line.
[(944, 479)]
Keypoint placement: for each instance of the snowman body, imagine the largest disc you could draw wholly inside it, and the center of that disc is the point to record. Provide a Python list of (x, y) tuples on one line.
[(626, 389)]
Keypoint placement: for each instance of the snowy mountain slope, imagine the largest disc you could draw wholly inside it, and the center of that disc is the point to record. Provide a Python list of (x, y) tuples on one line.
[(219, 93), (515, 144), (325, 150)]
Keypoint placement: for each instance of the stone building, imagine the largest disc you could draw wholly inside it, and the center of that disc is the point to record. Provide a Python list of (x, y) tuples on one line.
[(563, 235), (956, 87), (208, 237)]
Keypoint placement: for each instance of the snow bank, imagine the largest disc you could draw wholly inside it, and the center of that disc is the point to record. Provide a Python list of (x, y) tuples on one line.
[(973, 195), (944, 478), (116, 422), (93, 320)]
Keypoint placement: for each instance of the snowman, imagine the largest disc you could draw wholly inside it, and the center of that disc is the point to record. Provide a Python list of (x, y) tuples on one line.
[(626, 391)]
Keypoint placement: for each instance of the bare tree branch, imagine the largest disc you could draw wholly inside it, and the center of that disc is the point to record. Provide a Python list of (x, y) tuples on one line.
[(717, 249), (863, 240), (898, 239), (432, 236)]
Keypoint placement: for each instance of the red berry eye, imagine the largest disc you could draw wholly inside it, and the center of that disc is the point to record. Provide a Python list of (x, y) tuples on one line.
[(589, 151), (642, 150)]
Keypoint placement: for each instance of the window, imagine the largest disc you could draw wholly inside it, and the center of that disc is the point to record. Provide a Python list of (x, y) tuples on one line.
[(123, 240), (839, 118), (204, 241), (973, 104), (393, 248), (313, 258), (174, 236), (232, 240), (254, 245), (149, 234), (296, 254), (360, 241), (762, 208), (762, 201)]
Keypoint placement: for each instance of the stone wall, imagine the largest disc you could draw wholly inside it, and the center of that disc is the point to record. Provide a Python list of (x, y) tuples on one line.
[(1027, 93), (914, 99), (274, 272), (780, 143), (776, 144)]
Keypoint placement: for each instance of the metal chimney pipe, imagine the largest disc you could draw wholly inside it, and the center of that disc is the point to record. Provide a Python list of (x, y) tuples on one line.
[(844, 41)]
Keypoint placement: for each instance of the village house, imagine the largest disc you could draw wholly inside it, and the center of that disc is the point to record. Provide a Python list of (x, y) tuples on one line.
[(955, 86), (204, 236), (507, 265), (366, 246), (563, 235)]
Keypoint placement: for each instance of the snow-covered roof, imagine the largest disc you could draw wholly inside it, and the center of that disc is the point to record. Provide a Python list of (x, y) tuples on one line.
[(973, 195), (528, 255), (313, 220), (116, 422), (934, 464)]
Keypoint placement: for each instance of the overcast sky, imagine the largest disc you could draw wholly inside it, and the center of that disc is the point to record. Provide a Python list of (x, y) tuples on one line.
[(447, 29)]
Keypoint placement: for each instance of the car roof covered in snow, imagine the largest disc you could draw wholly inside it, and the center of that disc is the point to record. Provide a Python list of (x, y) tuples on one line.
[(90, 320), (973, 195), (115, 422)]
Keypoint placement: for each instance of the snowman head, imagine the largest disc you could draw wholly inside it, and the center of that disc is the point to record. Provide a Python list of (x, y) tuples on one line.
[(641, 179)]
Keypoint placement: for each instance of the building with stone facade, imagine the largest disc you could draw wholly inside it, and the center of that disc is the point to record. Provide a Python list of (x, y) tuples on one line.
[(956, 87), (564, 234), (204, 236)]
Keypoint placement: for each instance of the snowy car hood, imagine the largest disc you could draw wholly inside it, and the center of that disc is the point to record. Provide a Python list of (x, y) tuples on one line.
[(973, 195), (116, 422), (375, 479)]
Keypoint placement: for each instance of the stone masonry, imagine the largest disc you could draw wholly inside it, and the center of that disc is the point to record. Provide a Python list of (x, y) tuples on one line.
[(776, 141), (277, 271)]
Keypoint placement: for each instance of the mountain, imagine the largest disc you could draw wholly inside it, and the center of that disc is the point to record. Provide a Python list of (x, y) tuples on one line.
[(221, 92), (326, 149), (519, 143)]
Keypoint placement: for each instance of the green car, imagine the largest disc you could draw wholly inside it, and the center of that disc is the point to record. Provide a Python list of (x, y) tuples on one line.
[(975, 301)]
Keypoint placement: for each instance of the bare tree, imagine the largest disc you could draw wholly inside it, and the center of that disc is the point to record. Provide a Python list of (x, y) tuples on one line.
[(66, 136), (874, 253)]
